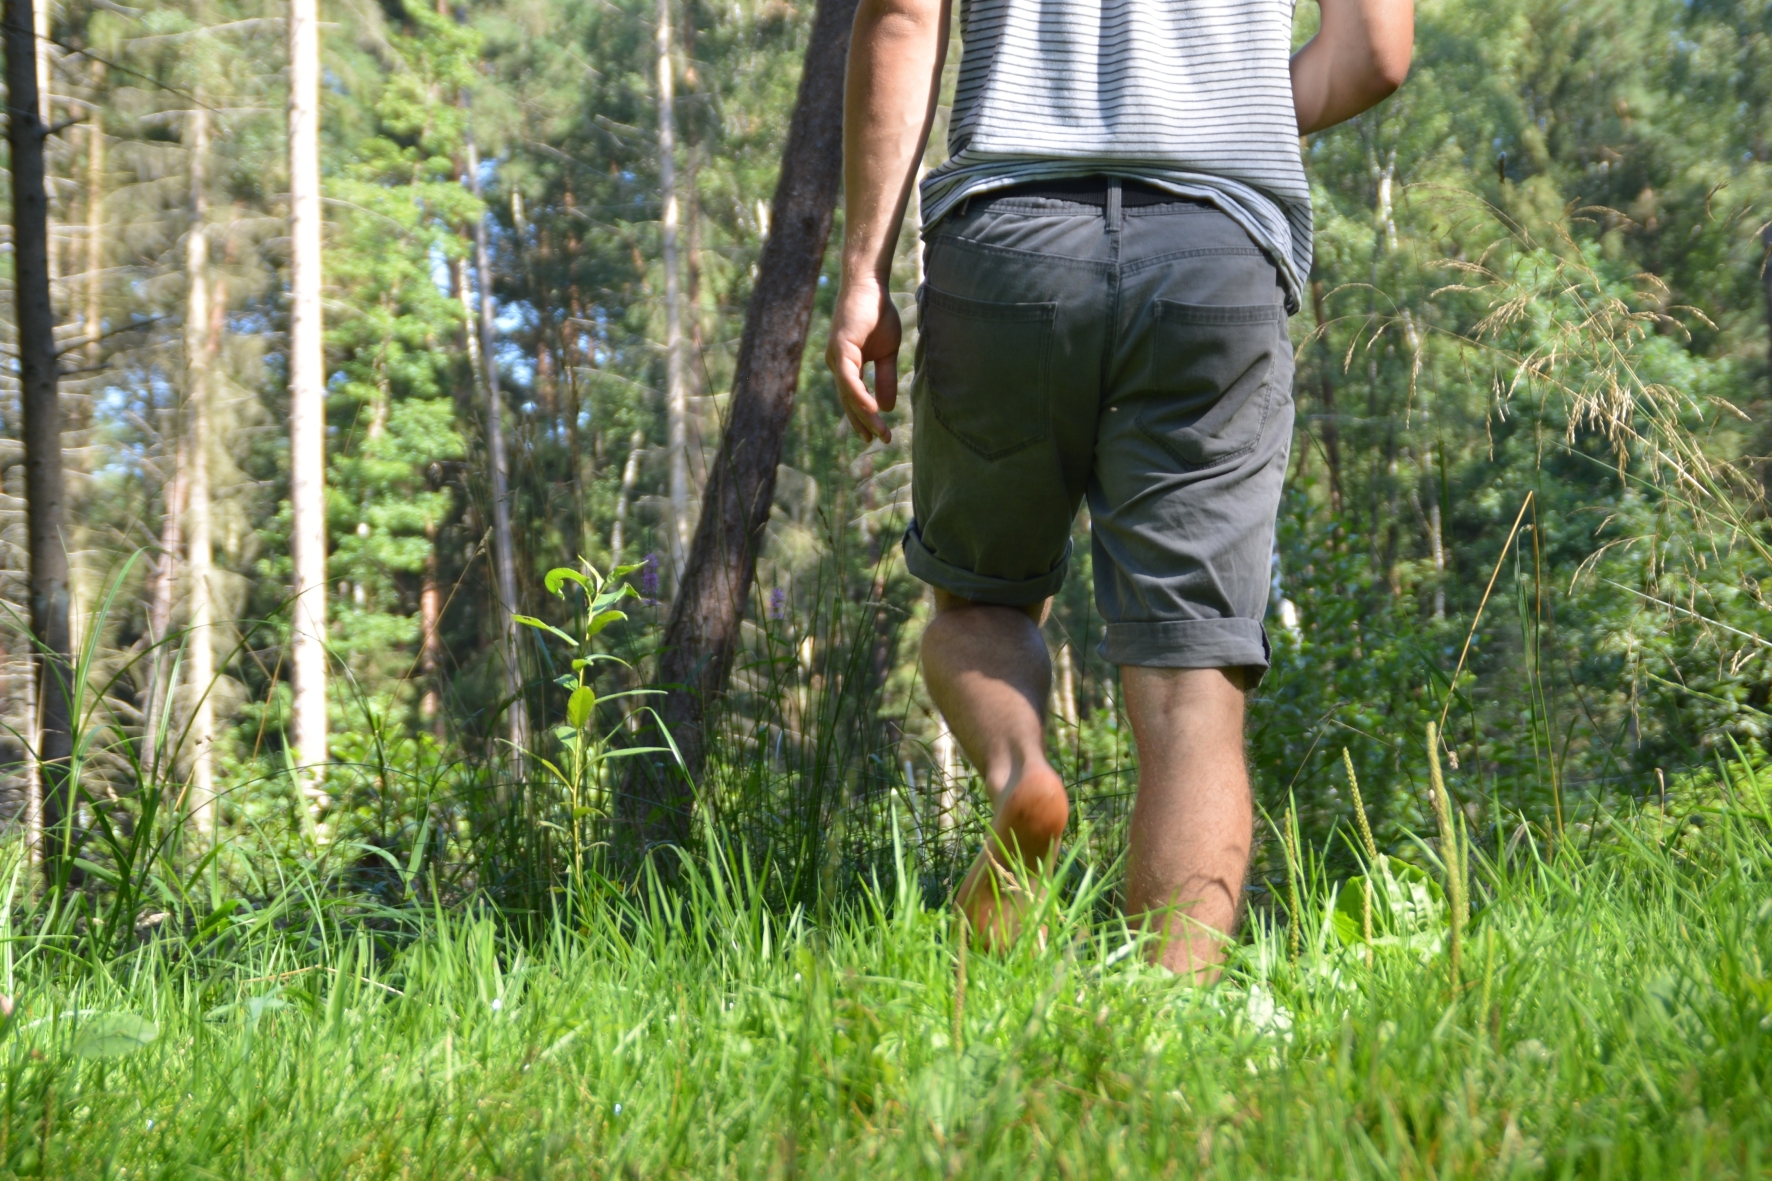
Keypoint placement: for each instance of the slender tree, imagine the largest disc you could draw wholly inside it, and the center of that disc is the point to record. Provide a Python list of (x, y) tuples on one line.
[(676, 391), (95, 219), (200, 663), (702, 636), (307, 406), (44, 491), (503, 553)]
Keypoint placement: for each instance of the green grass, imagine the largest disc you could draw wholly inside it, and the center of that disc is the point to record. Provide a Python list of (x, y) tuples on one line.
[(1612, 1022)]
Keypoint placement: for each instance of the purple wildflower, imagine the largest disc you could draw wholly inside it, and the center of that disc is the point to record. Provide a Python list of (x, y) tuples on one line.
[(649, 577), (778, 603)]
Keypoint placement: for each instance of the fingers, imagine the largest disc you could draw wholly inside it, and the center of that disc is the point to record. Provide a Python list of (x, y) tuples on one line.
[(886, 385), (858, 405), (864, 330)]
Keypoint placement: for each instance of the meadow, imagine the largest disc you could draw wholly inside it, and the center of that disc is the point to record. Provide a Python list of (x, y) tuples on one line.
[(1610, 1017)]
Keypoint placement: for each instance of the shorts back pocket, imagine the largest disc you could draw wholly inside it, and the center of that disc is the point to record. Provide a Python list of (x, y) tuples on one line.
[(985, 369), (1211, 390)]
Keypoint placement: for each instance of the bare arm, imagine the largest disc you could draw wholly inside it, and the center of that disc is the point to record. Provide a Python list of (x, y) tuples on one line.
[(895, 58), (1358, 58)]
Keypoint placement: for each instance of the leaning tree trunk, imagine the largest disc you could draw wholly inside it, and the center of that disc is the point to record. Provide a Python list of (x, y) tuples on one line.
[(25, 135), (701, 638), (307, 409)]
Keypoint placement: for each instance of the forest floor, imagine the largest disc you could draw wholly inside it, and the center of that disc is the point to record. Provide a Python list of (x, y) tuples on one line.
[(1611, 1017)]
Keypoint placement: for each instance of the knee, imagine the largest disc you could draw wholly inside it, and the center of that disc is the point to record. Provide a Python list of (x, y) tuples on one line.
[(949, 604)]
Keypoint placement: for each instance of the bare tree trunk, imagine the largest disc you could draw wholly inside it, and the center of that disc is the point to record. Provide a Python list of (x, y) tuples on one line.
[(702, 636), (44, 491), (46, 112), (630, 475), (676, 392), (164, 584), (1066, 685), (430, 651), (1439, 546), (95, 221), (503, 558), (307, 409), (200, 663), (1326, 394)]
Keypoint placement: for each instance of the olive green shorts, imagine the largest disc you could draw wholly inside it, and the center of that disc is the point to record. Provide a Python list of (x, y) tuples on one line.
[(1133, 354)]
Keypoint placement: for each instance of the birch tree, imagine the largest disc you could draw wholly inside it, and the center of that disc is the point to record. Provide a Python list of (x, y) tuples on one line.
[(307, 408), (200, 663)]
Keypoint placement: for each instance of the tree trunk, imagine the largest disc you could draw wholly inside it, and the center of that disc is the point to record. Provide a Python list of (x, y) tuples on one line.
[(630, 474), (307, 409), (25, 135), (155, 728), (676, 392), (95, 222), (503, 558), (200, 663), (1326, 394), (702, 636), (1066, 686), (430, 653)]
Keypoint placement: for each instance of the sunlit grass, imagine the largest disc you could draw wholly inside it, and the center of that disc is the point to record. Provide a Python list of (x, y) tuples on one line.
[(1611, 1020)]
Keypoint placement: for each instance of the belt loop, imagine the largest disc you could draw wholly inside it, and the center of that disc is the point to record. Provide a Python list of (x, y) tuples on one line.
[(1113, 204)]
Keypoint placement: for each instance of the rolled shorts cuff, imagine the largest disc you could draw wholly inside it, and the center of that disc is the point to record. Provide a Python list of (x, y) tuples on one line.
[(1190, 643), (981, 588)]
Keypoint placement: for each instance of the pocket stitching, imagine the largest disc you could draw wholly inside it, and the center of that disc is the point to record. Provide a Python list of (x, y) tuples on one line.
[(1211, 315), (1043, 314)]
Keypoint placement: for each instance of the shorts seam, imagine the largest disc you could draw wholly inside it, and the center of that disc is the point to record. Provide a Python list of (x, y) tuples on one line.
[(1199, 252), (1065, 260)]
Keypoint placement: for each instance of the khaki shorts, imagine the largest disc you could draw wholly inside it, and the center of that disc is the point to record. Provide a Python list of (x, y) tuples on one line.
[(1133, 354)]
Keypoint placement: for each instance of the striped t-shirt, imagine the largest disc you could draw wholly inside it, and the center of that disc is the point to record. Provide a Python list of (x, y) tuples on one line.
[(1190, 96)]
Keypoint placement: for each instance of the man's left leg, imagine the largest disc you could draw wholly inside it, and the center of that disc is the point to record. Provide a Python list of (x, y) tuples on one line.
[(988, 672)]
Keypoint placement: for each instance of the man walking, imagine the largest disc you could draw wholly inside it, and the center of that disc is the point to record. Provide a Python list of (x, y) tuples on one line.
[(1114, 245)]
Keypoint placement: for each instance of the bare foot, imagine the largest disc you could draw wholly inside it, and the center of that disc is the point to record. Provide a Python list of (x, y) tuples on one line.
[(1030, 819)]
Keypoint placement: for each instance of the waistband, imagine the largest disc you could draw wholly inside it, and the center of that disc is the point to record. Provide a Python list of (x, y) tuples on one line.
[(1092, 190)]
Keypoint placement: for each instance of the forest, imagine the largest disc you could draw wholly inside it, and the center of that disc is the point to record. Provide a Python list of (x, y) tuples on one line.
[(460, 711)]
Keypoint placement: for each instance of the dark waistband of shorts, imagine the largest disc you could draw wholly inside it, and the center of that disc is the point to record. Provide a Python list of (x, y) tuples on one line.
[(1092, 190)]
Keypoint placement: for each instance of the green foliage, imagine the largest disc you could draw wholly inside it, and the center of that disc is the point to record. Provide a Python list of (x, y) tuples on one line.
[(711, 1035)]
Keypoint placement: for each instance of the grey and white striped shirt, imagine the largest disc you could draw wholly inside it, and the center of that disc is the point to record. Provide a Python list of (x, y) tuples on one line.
[(1191, 96)]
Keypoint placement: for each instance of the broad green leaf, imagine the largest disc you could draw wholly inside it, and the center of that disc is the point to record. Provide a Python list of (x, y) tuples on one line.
[(538, 625), (579, 706), (602, 621), (112, 1035), (1348, 919), (1406, 901), (560, 575)]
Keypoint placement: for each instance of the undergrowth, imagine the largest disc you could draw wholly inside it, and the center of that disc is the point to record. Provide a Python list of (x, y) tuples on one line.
[(1610, 1018)]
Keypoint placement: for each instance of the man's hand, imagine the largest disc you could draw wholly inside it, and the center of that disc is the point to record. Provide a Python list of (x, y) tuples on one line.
[(1358, 58), (865, 327)]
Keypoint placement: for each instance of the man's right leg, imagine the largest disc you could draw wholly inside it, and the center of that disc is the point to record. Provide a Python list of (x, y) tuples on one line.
[(1193, 822), (990, 675)]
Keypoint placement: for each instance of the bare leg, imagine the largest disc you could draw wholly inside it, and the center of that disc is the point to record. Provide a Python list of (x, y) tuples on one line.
[(989, 673), (1192, 824)]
